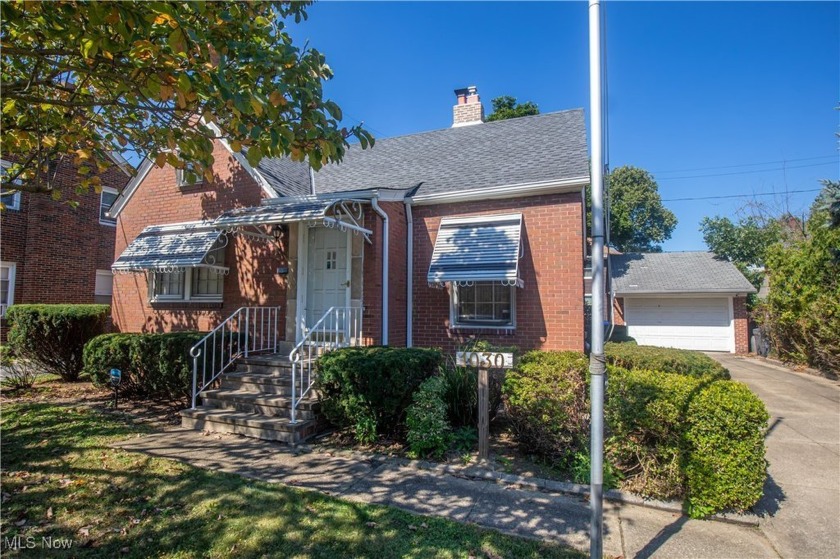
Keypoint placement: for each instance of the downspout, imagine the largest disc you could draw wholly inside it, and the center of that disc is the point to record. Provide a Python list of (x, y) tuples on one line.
[(375, 205), (409, 312)]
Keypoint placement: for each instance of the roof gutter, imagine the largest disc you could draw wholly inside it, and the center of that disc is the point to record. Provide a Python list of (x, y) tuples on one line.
[(504, 191), (385, 243), (409, 296)]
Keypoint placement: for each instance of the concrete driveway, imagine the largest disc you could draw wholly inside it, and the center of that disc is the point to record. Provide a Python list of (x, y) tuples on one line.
[(800, 510)]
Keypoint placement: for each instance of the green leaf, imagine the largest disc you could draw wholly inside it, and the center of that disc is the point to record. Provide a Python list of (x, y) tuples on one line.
[(90, 47), (177, 42), (254, 155)]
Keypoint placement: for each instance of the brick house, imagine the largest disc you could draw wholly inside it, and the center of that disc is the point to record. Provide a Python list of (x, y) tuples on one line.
[(52, 253), (428, 239)]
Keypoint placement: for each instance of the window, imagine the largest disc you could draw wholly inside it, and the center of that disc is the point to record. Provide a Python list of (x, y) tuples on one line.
[(106, 200), (104, 287), (11, 201), (193, 284), (7, 286), (483, 305), (188, 176)]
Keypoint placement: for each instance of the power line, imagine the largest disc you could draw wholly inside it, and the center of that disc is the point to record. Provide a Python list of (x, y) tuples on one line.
[(745, 165), (747, 172), (739, 195)]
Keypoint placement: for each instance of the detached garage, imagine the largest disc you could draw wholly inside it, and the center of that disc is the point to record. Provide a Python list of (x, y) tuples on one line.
[(686, 300)]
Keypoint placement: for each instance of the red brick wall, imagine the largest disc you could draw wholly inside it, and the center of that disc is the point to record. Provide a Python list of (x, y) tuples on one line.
[(57, 248), (742, 333), (252, 280), (397, 273), (618, 314), (549, 309)]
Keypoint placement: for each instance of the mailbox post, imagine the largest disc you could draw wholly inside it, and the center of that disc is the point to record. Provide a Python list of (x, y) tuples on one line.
[(116, 379), (484, 361)]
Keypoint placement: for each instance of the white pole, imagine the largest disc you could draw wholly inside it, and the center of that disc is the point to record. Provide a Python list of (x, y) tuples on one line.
[(597, 366)]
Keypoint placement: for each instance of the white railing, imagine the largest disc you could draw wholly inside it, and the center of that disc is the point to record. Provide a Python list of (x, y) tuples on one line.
[(248, 330), (339, 327)]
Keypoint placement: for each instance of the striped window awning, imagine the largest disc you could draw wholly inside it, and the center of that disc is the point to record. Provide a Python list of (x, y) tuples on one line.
[(170, 248), (477, 249)]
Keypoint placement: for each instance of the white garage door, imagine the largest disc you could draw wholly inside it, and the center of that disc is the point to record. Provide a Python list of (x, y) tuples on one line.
[(686, 323)]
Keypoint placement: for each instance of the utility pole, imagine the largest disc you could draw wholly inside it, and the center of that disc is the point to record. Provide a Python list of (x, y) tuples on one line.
[(597, 362)]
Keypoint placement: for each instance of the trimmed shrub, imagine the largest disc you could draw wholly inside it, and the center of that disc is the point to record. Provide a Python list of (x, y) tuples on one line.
[(677, 436), (156, 365), (368, 389), (725, 467), (429, 432), (693, 363), (54, 336), (547, 404)]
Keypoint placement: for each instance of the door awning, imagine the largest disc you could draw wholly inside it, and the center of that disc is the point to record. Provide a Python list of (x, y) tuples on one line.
[(477, 249), (170, 248), (332, 212)]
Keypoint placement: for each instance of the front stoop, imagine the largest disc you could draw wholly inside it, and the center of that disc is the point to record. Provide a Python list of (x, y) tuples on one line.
[(255, 400)]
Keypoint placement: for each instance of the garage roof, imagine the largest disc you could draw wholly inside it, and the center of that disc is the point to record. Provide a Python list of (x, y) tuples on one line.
[(676, 272)]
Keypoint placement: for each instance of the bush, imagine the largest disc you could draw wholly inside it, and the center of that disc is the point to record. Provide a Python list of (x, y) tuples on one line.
[(631, 356), (546, 402), (152, 364), (54, 336), (676, 436), (429, 431), (368, 389), (460, 394)]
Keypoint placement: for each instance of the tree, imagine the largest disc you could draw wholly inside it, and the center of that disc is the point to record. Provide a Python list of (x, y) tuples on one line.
[(829, 200), (638, 220), (506, 107), (802, 310), (163, 79)]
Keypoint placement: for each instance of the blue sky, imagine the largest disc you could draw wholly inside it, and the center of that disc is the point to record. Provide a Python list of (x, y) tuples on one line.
[(695, 88)]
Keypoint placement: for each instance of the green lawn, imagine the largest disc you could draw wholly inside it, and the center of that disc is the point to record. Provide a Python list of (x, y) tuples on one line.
[(60, 479)]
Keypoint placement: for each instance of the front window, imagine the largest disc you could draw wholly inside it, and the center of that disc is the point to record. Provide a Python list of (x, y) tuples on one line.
[(483, 305), (7, 286), (202, 284), (168, 285), (106, 200), (207, 282)]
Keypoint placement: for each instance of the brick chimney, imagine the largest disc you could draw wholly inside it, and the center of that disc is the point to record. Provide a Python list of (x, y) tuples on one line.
[(468, 109)]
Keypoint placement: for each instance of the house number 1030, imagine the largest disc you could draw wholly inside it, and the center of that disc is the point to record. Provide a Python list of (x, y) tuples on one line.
[(484, 359)]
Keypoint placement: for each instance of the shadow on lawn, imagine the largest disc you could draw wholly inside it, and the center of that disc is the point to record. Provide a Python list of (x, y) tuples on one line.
[(65, 481)]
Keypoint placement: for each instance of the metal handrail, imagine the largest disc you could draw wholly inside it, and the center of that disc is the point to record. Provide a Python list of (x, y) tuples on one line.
[(247, 330), (339, 327)]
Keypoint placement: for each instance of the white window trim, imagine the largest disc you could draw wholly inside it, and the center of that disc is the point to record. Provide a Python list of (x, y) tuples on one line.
[(12, 266), (111, 222), (15, 205), (453, 313), (187, 296), (181, 182)]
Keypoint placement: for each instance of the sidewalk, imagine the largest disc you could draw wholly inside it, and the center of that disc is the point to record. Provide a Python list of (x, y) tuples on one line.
[(629, 530)]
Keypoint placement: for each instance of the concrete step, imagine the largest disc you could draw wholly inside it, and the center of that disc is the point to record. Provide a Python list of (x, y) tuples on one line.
[(248, 424), (270, 405), (259, 383)]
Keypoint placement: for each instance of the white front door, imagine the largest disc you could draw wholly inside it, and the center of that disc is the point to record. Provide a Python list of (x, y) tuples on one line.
[(328, 280)]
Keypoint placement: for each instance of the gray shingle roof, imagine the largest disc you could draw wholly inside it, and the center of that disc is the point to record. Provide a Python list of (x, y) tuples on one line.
[(676, 272), (537, 148)]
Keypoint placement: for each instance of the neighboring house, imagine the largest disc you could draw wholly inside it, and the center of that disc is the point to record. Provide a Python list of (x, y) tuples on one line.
[(429, 239), (53, 253), (688, 300)]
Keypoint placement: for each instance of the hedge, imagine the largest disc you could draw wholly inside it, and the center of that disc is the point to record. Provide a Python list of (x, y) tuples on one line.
[(671, 435), (676, 436), (632, 356), (54, 336), (369, 388), (152, 365), (547, 405)]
